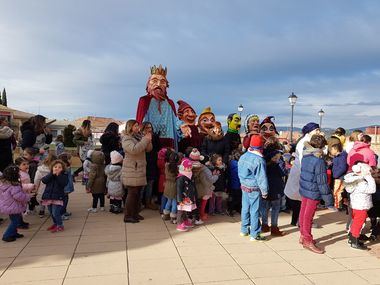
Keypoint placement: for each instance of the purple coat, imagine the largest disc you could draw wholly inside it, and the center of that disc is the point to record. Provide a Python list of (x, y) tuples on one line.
[(12, 199)]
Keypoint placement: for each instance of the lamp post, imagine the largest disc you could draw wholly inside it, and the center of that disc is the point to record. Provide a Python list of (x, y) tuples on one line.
[(321, 113), (240, 109), (292, 100)]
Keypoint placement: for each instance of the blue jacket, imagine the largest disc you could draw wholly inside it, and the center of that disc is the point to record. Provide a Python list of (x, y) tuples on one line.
[(55, 186), (252, 172), (313, 180), (339, 165), (233, 179)]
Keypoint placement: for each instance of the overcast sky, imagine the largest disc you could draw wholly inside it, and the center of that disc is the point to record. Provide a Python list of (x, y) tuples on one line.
[(68, 59)]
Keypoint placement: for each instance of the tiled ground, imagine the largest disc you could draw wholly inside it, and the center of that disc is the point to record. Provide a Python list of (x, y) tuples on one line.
[(100, 249)]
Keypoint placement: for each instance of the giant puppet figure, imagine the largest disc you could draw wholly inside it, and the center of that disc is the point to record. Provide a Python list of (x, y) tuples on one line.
[(269, 132), (252, 127), (206, 122), (157, 108), (232, 135), (192, 138)]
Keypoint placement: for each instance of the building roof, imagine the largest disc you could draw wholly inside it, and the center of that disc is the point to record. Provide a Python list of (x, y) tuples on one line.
[(98, 123), (16, 113)]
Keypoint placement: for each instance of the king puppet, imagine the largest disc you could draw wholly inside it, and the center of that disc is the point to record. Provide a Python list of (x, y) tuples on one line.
[(157, 108)]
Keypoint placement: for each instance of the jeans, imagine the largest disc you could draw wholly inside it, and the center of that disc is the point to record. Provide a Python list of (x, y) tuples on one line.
[(95, 198), (12, 227), (265, 205), (308, 207), (55, 212), (65, 202), (171, 206), (146, 194), (163, 203), (250, 213)]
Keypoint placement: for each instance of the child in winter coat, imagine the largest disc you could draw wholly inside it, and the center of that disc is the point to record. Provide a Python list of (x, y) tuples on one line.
[(54, 194), (69, 188), (13, 201), (275, 175), (313, 188), (162, 158), (234, 191), (33, 159), (217, 167), (114, 184), (339, 169), (59, 146), (86, 167), (204, 183), (186, 195), (96, 182), (361, 185), (42, 171), (171, 172)]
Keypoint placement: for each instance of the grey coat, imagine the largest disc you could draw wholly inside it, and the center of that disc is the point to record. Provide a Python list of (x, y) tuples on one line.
[(114, 185)]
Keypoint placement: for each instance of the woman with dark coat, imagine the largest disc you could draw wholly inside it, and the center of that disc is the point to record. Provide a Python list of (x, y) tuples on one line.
[(6, 137), (110, 141), (215, 143), (35, 134)]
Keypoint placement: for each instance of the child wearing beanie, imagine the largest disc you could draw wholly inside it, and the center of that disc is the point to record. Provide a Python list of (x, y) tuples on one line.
[(254, 186), (361, 185), (186, 195), (114, 184)]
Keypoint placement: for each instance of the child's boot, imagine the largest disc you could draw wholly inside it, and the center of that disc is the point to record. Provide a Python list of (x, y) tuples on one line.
[(356, 244), (275, 231), (265, 228)]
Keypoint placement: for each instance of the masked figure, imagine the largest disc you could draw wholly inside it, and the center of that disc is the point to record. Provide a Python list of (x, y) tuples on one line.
[(232, 135), (252, 127), (268, 128), (192, 138), (157, 108), (206, 122)]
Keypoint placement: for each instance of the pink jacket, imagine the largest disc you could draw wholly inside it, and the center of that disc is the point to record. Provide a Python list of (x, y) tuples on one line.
[(361, 152), (13, 199), (27, 186)]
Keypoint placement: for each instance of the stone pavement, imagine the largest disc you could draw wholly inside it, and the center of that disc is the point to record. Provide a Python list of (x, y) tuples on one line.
[(98, 248)]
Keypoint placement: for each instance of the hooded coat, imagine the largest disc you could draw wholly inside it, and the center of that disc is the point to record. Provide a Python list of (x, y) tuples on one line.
[(204, 180), (361, 151), (361, 189), (13, 199), (213, 144), (6, 135), (170, 191), (134, 163), (114, 185), (96, 179)]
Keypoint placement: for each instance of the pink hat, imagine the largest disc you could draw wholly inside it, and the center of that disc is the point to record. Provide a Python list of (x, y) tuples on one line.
[(195, 155), (116, 157), (185, 164)]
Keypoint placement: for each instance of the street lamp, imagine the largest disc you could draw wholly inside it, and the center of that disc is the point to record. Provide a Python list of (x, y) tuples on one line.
[(321, 113), (240, 109), (292, 100)]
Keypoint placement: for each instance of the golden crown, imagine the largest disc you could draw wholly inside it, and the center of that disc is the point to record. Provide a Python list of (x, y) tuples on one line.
[(158, 70)]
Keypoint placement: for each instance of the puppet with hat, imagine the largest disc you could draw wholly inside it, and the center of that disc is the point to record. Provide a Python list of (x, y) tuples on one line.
[(232, 135), (206, 122), (156, 107), (268, 128), (252, 127), (188, 116)]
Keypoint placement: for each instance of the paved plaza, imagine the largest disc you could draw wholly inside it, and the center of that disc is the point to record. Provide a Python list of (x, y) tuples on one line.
[(98, 248)]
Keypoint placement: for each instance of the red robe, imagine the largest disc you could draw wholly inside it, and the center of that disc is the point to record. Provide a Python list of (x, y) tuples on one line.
[(143, 106)]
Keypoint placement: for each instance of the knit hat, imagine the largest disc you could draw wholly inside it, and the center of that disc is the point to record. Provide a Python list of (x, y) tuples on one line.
[(89, 153), (309, 128), (185, 165), (116, 157), (182, 105), (362, 169), (268, 120), (195, 155), (256, 142)]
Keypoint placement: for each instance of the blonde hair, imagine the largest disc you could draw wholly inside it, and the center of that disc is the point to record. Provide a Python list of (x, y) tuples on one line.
[(49, 159), (129, 126)]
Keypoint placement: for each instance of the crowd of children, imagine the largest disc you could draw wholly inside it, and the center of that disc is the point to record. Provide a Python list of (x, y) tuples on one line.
[(193, 187)]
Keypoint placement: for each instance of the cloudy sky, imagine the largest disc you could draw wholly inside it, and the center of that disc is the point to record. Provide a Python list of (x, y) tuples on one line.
[(68, 59)]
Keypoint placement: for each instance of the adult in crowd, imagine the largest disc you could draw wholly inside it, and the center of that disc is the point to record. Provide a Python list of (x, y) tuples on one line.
[(152, 172), (110, 141), (6, 138), (133, 175), (83, 140), (216, 143), (35, 134), (292, 187)]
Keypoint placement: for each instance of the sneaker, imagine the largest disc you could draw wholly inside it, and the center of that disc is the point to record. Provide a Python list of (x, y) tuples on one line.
[(258, 238), (17, 235), (199, 222), (244, 234), (92, 210), (102, 209), (67, 214), (65, 218), (188, 223), (9, 239), (52, 227), (182, 227), (58, 229), (41, 214)]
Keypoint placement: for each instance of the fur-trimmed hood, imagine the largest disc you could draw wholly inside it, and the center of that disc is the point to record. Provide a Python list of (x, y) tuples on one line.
[(5, 132)]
